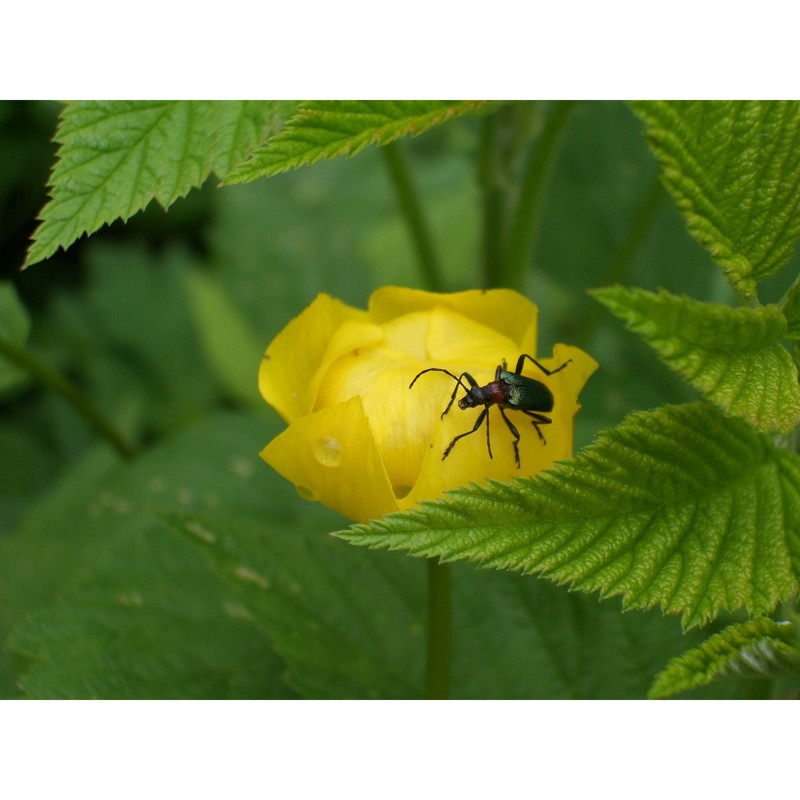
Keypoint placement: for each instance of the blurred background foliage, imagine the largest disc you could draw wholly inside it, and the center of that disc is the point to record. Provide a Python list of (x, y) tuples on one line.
[(162, 322)]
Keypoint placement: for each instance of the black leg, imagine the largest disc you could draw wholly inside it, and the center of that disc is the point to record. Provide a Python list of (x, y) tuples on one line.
[(536, 421), (521, 361), (515, 434), (484, 415), (488, 440)]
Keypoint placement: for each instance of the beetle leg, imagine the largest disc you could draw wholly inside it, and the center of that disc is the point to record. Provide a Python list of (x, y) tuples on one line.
[(514, 433), (478, 422), (536, 421), (548, 372)]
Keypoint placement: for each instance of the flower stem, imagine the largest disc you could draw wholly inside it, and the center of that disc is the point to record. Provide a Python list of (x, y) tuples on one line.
[(493, 198), (440, 631), (411, 208), (534, 180), (51, 379), (504, 137)]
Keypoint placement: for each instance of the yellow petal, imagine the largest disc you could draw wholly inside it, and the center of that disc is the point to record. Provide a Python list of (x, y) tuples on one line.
[(509, 313), (286, 376), (331, 456), (455, 339)]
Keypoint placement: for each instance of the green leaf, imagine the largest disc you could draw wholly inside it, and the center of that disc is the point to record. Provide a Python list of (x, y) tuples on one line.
[(132, 647), (328, 129), (791, 310), (115, 157), (734, 170), (732, 355), (679, 507), (107, 602), (757, 649), (347, 627), (15, 326), (516, 638), (232, 347)]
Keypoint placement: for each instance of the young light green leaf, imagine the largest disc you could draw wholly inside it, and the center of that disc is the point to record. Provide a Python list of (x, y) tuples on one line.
[(232, 347), (15, 326), (115, 157), (733, 168), (328, 129), (680, 507), (760, 648), (732, 355)]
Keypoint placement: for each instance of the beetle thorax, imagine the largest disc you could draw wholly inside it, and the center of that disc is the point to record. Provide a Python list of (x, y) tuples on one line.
[(491, 394)]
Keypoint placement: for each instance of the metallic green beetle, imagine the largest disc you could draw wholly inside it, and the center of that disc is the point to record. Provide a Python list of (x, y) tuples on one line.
[(508, 390)]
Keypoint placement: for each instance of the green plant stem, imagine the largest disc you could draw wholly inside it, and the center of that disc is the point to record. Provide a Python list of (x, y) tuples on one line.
[(51, 379), (440, 631), (493, 198), (526, 217), (617, 269), (411, 208), (505, 135)]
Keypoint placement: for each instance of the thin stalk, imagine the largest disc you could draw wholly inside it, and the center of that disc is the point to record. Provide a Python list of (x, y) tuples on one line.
[(48, 377), (440, 631), (618, 267), (534, 180), (505, 135), (411, 208), (493, 199)]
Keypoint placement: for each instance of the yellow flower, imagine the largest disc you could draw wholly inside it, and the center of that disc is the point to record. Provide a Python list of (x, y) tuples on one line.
[(363, 443)]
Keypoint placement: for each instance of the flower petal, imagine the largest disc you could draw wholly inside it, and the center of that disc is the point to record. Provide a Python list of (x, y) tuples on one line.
[(293, 358), (331, 456), (503, 310), (454, 339)]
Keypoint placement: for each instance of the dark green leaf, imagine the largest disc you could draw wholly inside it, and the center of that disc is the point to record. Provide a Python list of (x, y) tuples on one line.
[(347, 627), (732, 355), (107, 602), (733, 168), (679, 507), (517, 638), (329, 129)]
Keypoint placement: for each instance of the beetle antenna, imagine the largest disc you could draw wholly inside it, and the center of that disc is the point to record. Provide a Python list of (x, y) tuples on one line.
[(439, 369)]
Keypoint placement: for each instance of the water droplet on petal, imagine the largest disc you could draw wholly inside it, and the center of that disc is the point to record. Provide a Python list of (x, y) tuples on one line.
[(305, 493), (327, 451)]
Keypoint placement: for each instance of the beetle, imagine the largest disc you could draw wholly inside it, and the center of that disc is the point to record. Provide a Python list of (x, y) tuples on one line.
[(508, 390)]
